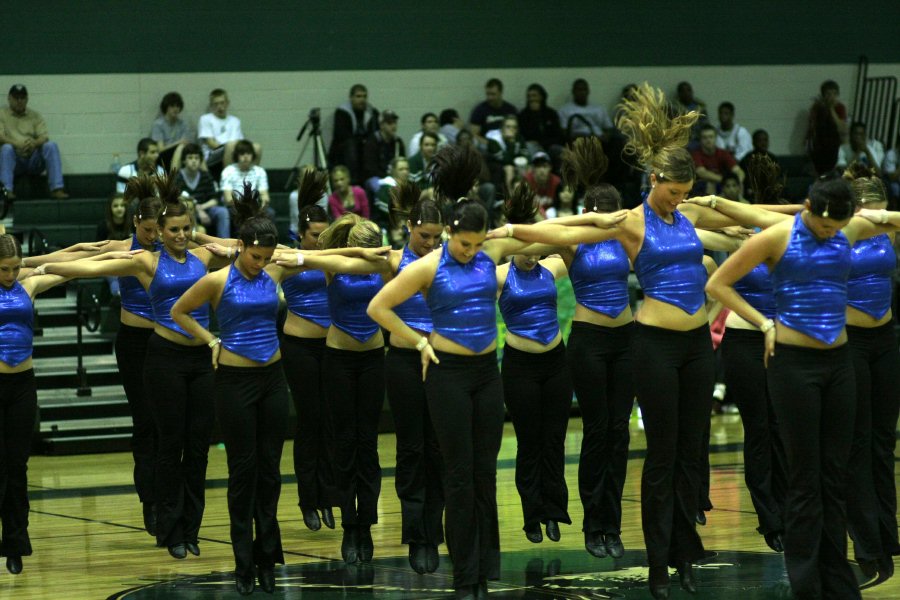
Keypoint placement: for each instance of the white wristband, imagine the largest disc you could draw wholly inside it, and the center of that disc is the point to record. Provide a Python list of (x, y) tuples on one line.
[(300, 260), (41, 270), (214, 342), (882, 216), (509, 230), (766, 325), (422, 343), (713, 202)]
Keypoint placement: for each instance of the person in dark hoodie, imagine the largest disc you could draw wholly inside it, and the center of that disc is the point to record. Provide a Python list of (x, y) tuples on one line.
[(354, 122)]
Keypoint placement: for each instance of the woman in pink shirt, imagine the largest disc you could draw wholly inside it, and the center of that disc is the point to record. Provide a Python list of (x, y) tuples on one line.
[(345, 197)]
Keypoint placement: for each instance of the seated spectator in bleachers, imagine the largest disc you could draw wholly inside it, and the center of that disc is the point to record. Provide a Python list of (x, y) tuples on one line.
[(379, 150), (26, 145), (489, 114), (199, 185), (580, 119), (760, 146), (544, 182), (686, 102), (147, 162), (170, 131), (420, 163), (732, 188), (451, 124), (827, 128), (354, 122), (220, 132), (398, 172), (243, 169), (430, 124), (539, 124), (293, 199), (116, 224), (564, 205), (712, 163), (861, 148), (345, 197), (730, 136), (505, 145), (891, 172)]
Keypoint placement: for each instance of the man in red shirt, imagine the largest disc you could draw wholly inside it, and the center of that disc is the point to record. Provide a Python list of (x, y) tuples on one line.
[(544, 183), (712, 163)]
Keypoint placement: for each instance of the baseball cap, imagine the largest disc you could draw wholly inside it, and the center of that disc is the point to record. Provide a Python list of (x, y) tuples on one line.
[(539, 158), (389, 116), (18, 90)]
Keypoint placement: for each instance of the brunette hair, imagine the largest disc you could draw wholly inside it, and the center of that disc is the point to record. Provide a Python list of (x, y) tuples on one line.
[(171, 202), (310, 188), (520, 207), (9, 246), (118, 231), (867, 185), (765, 179), (254, 227), (583, 164), (407, 204), (832, 199)]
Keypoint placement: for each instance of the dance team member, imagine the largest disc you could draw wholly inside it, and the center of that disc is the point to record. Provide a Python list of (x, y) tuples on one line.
[(810, 371)]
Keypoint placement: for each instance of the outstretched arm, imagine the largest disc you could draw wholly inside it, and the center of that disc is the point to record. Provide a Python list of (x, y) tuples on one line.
[(76, 252), (125, 264), (869, 223), (713, 212)]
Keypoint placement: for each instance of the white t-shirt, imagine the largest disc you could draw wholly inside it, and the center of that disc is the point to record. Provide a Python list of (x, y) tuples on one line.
[(736, 140), (233, 178), (223, 130), (127, 172), (846, 154)]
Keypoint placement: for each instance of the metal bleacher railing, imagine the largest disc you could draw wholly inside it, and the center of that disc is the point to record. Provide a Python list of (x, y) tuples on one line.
[(876, 104)]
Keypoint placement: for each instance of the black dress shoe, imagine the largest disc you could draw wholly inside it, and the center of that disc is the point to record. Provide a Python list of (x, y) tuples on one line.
[(481, 591), (366, 544), (243, 584), (193, 548), (773, 541), (328, 518), (266, 578), (150, 517), (552, 530), (701, 517), (660, 592), (350, 545), (14, 564), (686, 576), (593, 543), (614, 546), (876, 571), (432, 558), (534, 535), (417, 558), (178, 551), (311, 519)]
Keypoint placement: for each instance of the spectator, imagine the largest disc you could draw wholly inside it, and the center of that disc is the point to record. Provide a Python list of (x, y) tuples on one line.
[(539, 124), (489, 115), (686, 103), (892, 172), (147, 163), (760, 147), (827, 128), (170, 132), (484, 189), (504, 147), (451, 124), (398, 172), (220, 132), (380, 149), (354, 122), (26, 145), (420, 163), (243, 170), (730, 136), (544, 183), (294, 197), (712, 163), (116, 225), (199, 185), (565, 204), (868, 152), (345, 197), (430, 124), (580, 119), (732, 188)]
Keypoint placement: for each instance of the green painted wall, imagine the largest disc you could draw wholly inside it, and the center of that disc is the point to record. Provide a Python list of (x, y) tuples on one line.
[(165, 36)]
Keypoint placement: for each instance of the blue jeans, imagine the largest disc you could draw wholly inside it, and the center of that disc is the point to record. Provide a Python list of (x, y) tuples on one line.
[(220, 221), (11, 164)]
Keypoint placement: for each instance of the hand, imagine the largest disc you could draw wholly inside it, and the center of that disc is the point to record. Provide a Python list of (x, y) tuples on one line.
[(220, 250), (878, 217), (215, 355), (124, 254), (737, 231), (428, 357), (608, 220), (203, 216), (376, 254), (496, 234), (28, 146), (288, 258), (770, 345), (89, 246), (705, 201)]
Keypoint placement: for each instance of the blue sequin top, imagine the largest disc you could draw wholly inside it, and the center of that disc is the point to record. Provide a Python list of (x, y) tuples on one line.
[(872, 264), (462, 299), (528, 303), (348, 299), (135, 298), (171, 280), (670, 264), (248, 315), (756, 288), (599, 274), (810, 283), (16, 325), (413, 311), (307, 297)]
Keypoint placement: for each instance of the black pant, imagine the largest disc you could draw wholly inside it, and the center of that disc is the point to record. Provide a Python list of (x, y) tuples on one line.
[(355, 388), (674, 375), (131, 352), (420, 470), (813, 392), (18, 407), (180, 383), (313, 437), (537, 390), (252, 409), (601, 369), (872, 495), (764, 462), (465, 398)]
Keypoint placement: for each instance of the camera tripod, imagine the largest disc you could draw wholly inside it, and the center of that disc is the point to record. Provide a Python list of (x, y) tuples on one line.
[(315, 136)]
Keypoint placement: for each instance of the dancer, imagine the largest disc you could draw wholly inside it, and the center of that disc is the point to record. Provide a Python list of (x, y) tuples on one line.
[(537, 387), (811, 378), (177, 363), (251, 391), (463, 385)]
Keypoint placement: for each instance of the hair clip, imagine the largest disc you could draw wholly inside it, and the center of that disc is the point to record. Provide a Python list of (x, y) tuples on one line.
[(255, 240), (165, 208), (419, 222), (825, 212), (456, 223), (461, 198), (307, 218)]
